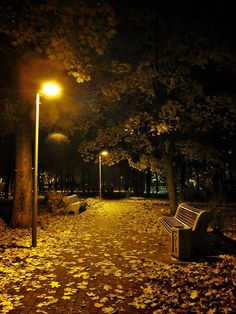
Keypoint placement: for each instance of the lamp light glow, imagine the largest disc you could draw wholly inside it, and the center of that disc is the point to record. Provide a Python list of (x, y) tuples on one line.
[(104, 153), (51, 89)]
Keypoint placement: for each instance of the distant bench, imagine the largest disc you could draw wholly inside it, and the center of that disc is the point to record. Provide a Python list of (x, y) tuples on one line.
[(74, 205), (187, 229)]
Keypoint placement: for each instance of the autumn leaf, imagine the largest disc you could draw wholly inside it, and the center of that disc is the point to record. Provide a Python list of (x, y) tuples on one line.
[(90, 294), (213, 311), (194, 294), (104, 300), (118, 273), (55, 284), (98, 305), (108, 309), (83, 285), (107, 287)]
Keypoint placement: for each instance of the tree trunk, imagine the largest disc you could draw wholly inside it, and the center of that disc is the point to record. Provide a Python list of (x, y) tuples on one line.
[(22, 204), (170, 176)]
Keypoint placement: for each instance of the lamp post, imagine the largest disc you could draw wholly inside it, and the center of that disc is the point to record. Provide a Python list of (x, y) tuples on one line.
[(103, 153), (50, 89)]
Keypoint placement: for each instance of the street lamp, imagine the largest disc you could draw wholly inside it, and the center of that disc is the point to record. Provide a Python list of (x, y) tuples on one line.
[(103, 153), (49, 89)]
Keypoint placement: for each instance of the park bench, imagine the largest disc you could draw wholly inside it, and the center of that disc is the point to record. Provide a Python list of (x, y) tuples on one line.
[(187, 229), (73, 204)]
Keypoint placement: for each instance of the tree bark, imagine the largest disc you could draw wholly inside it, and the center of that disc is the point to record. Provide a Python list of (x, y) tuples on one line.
[(167, 156), (22, 204)]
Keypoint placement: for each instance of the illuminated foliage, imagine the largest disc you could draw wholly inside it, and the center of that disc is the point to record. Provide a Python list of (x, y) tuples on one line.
[(71, 33)]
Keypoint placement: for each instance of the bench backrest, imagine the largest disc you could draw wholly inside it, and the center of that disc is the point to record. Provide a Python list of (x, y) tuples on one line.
[(193, 217), (70, 199)]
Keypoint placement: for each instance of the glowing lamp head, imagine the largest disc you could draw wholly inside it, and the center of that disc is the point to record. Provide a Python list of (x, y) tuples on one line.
[(51, 89), (104, 153)]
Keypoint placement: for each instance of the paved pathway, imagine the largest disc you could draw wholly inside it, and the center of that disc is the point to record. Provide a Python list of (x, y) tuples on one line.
[(92, 263)]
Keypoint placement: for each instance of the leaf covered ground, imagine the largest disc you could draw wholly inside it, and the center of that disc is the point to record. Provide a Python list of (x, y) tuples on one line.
[(109, 259)]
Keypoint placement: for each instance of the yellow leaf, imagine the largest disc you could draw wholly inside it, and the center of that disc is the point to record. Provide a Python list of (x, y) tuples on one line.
[(117, 274), (107, 287), (82, 285), (55, 284), (108, 309), (194, 294), (90, 294), (211, 311), (42, 304), (148, 290), (112, 296), (98, 305)]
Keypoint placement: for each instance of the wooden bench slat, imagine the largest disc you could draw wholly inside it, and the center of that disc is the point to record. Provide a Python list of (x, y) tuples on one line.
[(191, 208), (188, 218)]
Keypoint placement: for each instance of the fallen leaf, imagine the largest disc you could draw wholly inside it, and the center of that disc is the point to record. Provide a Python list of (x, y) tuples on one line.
[(98, 305), (194, 294), (107, 287), (55, 284), (108, 309)]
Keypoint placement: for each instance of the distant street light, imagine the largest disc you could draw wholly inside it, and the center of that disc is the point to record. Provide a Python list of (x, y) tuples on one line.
[(49, 89), (103, 153)]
